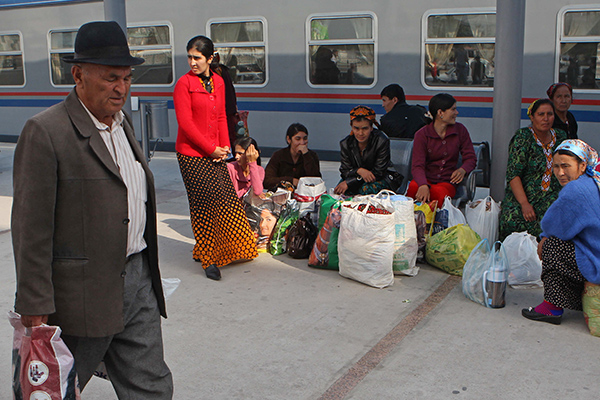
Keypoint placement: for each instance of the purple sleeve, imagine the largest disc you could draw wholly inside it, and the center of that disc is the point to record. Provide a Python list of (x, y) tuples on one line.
[(466, 150), (419, 157)]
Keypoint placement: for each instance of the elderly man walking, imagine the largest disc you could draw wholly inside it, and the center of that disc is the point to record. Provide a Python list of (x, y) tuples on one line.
[(84, 224)]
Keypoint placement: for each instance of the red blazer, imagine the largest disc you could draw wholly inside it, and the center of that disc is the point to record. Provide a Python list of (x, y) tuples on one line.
[(200, 115)]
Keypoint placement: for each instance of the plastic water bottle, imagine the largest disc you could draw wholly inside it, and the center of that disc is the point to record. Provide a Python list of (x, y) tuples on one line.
[(494, 280)]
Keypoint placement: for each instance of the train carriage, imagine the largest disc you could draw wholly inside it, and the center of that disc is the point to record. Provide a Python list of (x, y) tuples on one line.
[(310, 61)]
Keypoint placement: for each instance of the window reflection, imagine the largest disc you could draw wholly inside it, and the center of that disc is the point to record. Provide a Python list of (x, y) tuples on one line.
[(468, 60)]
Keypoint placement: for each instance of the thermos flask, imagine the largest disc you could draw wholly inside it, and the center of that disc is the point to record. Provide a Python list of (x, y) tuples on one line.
[(494, 280)]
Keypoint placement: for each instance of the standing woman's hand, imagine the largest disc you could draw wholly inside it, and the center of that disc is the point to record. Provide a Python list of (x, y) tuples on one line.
[(528, 212), (251, 154), (220, 153)]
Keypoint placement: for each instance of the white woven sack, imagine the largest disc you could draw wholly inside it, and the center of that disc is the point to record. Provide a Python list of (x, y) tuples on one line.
[(366, 243)]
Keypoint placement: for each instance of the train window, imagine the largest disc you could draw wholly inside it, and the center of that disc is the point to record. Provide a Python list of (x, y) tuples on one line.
[(153, 44), (242, 48), (11, 60), (579, 48), (459, 49), (150, 42), (341, 50)]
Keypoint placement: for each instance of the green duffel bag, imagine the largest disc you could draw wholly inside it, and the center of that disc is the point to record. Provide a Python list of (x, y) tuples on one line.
[(449, 249)]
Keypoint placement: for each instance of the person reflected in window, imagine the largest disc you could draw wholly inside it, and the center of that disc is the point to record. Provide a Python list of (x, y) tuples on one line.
[(365, 156), (461, 61), (400, 119), (477, 70), (561, 94), (293, 162), (326, 70)]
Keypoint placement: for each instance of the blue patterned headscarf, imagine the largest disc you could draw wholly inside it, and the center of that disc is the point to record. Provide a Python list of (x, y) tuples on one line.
[(585, 153)]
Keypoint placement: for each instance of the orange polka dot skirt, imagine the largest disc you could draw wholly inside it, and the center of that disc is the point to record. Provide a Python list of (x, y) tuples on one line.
[(218, 220)]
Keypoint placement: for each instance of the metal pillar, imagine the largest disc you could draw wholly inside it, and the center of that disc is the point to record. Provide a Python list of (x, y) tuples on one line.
[(114, 10), (510, 33)]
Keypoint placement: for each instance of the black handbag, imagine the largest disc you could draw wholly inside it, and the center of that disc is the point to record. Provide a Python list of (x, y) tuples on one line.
[(394, 179), (301, 238)]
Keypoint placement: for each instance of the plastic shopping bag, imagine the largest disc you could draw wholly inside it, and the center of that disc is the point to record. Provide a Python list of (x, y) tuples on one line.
[(482, 216), (324, 253), (483, 263), (43, 366), (308, 194), (366, 241), (450, 249), (524, 265), (591, 307), (475, 266), (262, 213), (287, 218), (405, 245), (301, 238), (455, 216), (424, 218)]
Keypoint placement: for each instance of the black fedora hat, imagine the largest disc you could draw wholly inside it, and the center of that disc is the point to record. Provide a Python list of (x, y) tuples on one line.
[(102, 43)]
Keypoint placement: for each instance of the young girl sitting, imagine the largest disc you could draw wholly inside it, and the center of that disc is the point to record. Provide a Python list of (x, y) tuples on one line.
[(246, 171)]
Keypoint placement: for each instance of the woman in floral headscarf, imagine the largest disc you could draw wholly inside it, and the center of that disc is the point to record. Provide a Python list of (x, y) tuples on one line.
[(571, 238), (365, 166), (531, 188)]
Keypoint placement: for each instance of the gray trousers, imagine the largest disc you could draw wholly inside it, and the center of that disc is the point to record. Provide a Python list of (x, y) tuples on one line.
[(134, 357)]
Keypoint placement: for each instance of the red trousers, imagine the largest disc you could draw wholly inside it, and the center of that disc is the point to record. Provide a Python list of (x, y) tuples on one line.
[(437, 191)]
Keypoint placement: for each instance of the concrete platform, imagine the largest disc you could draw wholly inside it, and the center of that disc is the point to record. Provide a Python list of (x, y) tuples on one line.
[(274, 328)]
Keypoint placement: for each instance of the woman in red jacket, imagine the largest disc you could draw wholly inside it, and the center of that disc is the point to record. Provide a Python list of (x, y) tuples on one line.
[(218, 220)]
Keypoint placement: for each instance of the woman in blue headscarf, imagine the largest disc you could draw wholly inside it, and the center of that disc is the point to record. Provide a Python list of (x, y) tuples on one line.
[(570, 243)]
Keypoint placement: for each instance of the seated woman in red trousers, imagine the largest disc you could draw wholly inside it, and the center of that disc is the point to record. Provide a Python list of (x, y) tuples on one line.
[(436, 149)]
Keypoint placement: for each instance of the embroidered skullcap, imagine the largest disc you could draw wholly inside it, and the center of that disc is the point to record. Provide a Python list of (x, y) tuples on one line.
[(363, 112)]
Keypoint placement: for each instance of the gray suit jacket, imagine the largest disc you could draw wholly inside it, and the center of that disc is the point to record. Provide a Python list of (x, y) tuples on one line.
[(69, 223)]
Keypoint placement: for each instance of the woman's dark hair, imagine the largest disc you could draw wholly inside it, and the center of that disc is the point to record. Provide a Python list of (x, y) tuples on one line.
[(203, 44), (244, 143), (536, 104), (569, 153), (441, 101), (294, 129)]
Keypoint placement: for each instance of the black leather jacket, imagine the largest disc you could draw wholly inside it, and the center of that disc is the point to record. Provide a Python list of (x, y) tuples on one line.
[(375, 158)]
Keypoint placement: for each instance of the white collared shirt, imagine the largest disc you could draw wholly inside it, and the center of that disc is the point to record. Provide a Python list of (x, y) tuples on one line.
[(133, 176)]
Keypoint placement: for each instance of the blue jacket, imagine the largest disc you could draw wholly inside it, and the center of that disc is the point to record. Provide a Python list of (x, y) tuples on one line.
[(575, 216)]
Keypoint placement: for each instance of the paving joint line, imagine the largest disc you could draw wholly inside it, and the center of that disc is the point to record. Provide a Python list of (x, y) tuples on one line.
[(380, 351)]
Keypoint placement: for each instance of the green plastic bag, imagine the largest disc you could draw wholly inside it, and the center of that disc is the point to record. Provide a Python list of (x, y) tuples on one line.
[(449, 250), (287, 218), (324, 254), (327, 201), (591, 307)]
